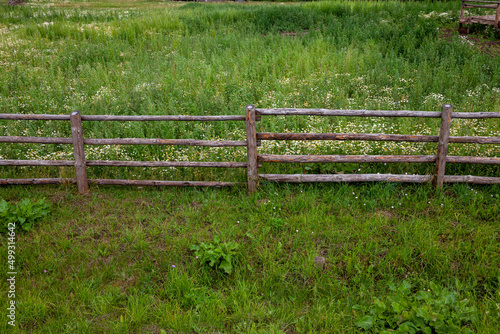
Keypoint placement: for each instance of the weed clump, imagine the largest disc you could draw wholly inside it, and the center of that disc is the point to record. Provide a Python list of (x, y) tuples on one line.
[(217, 254), (435, 310), (23, 214)]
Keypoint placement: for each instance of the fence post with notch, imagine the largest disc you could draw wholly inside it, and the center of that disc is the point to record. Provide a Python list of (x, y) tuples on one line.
[(80, 163), (252, 175), (444, 136)]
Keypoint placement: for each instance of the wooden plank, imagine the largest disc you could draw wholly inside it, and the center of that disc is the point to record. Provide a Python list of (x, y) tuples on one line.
[(473, 160), (80, 166), (10, 162), (341, 112), (36, 181), (471, 179), (301, 178), (374, 137), (474, 140), (444, 134), (475, 115), (260, 158), (276, 111), (158, 141), (346, 158), (35, 140), (35, 117), (486, 19), (480, 1), (102, 118), (115, 163), (372, 113), (252, 176), (118, 182), (260, 136), (124, 141), (346, 136), (480, 6), (497, 16)]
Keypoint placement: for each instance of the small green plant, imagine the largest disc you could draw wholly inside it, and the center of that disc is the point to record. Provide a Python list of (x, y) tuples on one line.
[(217, 254), (24, 214), (277, 223), (435, 310)]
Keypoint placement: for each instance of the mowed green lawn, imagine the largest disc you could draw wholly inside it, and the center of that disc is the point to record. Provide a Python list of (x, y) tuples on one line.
[(119, 259)]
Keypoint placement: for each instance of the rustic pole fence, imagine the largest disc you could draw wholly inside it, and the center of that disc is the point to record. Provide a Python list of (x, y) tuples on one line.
[(252, 142), (440, 159)]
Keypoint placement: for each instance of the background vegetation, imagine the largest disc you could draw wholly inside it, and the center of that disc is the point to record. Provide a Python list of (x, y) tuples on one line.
[(120, 260), (210, 59)]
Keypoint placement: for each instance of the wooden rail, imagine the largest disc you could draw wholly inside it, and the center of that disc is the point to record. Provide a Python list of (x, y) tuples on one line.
[(252, 142)]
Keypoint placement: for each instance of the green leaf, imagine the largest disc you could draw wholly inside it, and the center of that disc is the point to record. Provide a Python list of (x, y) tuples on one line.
[(397, 307), (226, 266), (366, 322), (378, 307)]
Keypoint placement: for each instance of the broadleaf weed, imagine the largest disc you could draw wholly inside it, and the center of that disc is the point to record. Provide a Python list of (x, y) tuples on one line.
[(435, 310), (25, 213), (217, 254)]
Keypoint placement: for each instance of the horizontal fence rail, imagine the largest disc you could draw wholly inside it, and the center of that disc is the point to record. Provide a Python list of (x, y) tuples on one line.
[(375, 137), (100, 118), (252, 142), (372, 113)]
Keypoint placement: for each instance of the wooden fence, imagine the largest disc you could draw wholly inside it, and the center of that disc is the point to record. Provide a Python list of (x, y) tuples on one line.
[(253, 140), (481, 19)]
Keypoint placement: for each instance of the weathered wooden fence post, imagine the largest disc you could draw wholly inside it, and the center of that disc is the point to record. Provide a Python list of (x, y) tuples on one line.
[(80, 164), (444, 135), (252, 175)]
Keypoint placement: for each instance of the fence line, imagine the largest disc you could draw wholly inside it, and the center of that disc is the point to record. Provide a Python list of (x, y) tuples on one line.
[(252, 142), (440, 159)]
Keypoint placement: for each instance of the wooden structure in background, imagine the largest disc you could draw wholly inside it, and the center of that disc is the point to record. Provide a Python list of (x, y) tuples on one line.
[(253, 141), (12, 3), (484, 19)]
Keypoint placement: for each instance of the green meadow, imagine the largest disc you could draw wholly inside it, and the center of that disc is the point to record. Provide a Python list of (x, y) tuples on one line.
[(404, 258)]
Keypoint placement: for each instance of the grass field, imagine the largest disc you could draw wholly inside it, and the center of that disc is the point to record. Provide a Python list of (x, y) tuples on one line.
[(119, 260)]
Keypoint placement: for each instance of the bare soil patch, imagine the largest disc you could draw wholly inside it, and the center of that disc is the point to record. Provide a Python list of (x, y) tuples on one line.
[(486, 46)]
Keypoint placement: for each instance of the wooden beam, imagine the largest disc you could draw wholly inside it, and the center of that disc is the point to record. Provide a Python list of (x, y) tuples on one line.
[(11, 162), (80, 166), (444, 134), (471, 179), (159, 141), (301, 178), (36, 181), (374, 137), (252, 176), (118, 182), (346, 158), (115, 163)]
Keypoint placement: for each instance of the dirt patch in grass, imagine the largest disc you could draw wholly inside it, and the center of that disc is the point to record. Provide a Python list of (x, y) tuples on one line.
[(486, 46)]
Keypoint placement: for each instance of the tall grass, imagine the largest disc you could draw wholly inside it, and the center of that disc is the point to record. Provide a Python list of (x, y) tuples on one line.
[(210, 59)]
